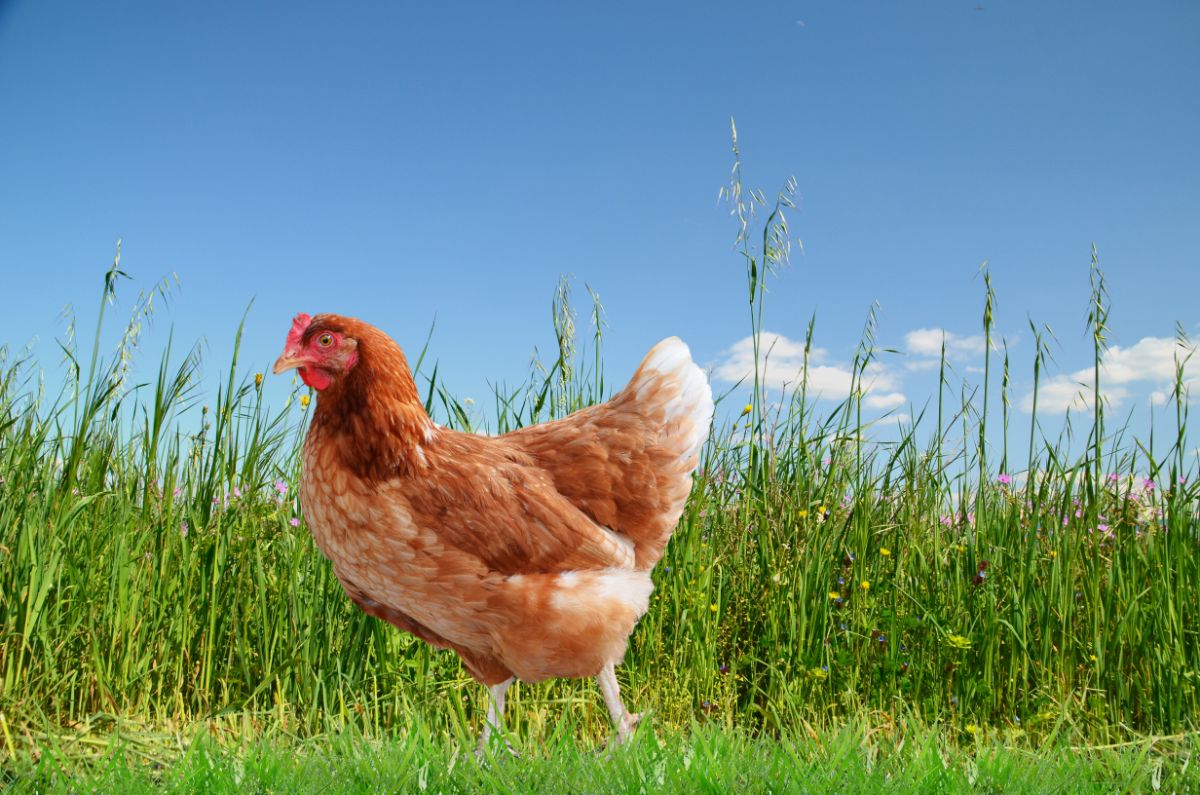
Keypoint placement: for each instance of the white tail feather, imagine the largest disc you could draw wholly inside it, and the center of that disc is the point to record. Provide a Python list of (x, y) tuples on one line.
[(692, 403)]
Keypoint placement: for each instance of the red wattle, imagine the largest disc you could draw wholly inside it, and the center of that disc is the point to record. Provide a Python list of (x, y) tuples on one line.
[(316, 378)]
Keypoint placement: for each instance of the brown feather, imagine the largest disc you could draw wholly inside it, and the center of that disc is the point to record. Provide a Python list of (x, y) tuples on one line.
[(527, 553)]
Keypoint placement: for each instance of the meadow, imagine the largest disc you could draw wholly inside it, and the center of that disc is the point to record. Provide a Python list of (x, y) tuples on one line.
[(836, 611)]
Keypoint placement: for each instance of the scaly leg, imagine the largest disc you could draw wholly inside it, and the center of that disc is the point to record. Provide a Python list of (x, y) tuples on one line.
[(624, 720), (495, 715)]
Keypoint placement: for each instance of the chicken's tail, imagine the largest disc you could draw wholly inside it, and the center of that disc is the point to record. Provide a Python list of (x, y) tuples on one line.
[(672, 394), (627, 464), (567, 624), (668, 380)]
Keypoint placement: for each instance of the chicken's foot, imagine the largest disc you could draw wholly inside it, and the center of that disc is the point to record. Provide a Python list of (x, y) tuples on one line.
[(495, 717), (624, 720)]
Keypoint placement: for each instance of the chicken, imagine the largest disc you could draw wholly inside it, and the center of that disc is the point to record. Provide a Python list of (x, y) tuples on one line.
[(528, 554)]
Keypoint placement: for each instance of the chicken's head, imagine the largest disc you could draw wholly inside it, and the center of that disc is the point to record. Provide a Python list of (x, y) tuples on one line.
[(320, 350)]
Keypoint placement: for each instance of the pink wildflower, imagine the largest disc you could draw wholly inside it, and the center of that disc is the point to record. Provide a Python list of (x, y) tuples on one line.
[(294, 522)]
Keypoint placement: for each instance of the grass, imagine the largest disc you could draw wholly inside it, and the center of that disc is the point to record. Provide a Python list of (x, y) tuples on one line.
[(705, 759), (155, 572)]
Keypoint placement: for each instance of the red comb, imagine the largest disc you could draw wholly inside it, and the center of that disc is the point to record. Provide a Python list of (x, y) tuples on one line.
[(299, 324)]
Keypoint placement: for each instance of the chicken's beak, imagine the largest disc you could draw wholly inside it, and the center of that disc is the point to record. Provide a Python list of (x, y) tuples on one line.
[(286, 362)]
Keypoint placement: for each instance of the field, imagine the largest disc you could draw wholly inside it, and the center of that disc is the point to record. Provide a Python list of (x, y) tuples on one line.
[(835, 611)]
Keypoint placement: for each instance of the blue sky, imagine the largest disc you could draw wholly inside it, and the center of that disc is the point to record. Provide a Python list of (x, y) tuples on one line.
[(404, 162)]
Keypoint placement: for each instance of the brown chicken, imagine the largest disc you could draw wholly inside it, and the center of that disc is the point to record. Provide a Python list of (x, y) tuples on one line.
[(528, 554)]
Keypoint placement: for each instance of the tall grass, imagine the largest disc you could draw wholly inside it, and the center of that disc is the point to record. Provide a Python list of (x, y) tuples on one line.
[(154, 566)]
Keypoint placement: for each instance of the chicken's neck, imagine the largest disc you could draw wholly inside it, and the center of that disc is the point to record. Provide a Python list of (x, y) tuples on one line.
[(375, 416)]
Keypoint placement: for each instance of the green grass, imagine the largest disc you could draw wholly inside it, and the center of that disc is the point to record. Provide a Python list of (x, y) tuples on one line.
[(823, 575), (706, 759)]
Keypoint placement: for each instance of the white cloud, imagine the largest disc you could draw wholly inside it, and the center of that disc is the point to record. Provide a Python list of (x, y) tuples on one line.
[(928, 342), (784, 365), (886, 400), (1151, 359), (880, 376)]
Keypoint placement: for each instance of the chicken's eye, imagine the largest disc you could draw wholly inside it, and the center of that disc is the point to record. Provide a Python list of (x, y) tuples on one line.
[(325, 340)]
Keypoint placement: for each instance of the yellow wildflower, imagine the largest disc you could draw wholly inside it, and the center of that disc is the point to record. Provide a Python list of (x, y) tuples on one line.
[(304, 400), (887, 553), (834, 595), (713, 607), (747, 410), (258, 379), (865, 585), (802, 513)]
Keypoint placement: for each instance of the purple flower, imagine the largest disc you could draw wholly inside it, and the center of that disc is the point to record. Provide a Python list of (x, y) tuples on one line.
[(1004, 479), (294, 522), (236, 492), (1148, 484), (281, 487), (183, 529)]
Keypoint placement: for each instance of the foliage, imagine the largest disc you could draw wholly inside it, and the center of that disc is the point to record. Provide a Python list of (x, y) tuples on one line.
[(154, 565)]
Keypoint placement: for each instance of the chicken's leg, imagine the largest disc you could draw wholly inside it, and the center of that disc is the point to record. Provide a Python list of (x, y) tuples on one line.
[(623, 719), (495, 715)]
